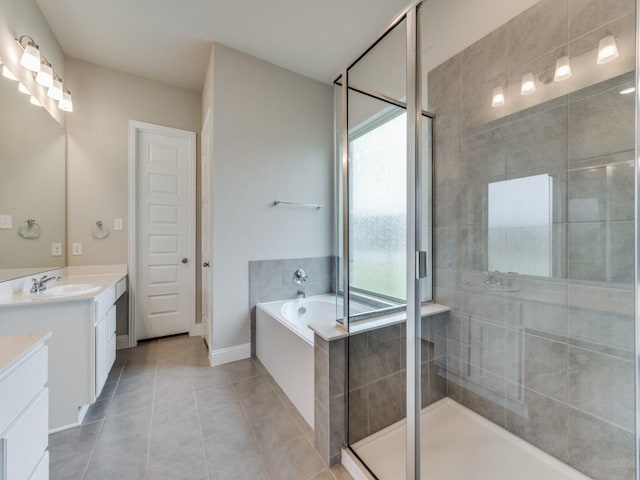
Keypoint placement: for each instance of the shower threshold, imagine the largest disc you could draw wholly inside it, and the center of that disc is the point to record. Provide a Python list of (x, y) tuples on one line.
[(458, 444)]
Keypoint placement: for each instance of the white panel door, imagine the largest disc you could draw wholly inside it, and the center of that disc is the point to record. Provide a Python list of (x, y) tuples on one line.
[(207, 234), (165, 161)]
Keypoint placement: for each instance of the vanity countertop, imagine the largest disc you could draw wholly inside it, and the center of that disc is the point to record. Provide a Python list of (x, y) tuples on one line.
[(14, 348), (103, 277)]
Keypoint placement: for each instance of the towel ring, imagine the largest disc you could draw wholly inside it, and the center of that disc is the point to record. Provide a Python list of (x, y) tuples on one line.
[(99, 230), (29, 229)]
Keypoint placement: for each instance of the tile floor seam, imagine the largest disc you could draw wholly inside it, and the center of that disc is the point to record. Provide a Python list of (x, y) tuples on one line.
[(104, 419), (204, 452), (153, 402), (246, 417)]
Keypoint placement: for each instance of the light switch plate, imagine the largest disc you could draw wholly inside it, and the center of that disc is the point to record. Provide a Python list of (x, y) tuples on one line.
[(117, 224), (76, 248), (56, 249), (5, 222)]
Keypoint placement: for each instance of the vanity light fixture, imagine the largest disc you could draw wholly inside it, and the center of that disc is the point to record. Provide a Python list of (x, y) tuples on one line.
[(627, 91), (45, 76), (528, 84), (65, 104), (563, 69), (497, 100), (8, 73), (34, 101), (23, 89), (607, 50), (31, 55), (55, 90)]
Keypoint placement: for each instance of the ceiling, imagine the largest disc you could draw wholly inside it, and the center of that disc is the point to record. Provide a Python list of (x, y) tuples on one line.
[(169, 40)]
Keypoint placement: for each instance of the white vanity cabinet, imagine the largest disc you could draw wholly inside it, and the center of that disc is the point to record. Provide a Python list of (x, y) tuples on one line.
[(82, 347), (24, 412), (105, 333)]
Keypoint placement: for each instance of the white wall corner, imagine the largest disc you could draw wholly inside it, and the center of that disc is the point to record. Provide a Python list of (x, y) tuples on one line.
[(196, 330), (122, 341), (229, 354)]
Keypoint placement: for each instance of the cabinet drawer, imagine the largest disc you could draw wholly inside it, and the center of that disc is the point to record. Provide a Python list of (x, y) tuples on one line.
[(111, 353), (26, 440), (22, 386), (42, 470), (104, 302)]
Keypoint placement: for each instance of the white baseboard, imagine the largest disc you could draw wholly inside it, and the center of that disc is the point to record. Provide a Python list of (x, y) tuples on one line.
[(229, 354), (122, 341), (196, 331)]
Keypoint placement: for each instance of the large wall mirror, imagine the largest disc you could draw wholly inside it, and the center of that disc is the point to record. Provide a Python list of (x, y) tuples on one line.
[(32, 186)]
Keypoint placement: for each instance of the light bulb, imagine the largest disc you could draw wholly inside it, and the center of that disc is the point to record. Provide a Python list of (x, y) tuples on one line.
[(55, 91), (34, 101), (563, 69), (23, 89), (528, 84), (8, 73), (66, 104), (607, 50), (497, 100), (31, 57), (45, 75), (627, 91)]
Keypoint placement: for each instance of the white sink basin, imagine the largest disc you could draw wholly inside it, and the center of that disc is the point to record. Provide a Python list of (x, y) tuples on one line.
[(70, 290)]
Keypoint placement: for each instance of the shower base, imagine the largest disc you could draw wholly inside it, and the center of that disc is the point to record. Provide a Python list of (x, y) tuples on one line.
[(458, 444)]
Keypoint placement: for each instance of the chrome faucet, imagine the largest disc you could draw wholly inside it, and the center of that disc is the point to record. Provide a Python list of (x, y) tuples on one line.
[(41, 285), (299, 278)]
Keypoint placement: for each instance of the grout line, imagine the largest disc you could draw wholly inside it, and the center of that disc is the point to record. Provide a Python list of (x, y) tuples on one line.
[(246, 418), (204, 453), (153, 402), (104, 419)]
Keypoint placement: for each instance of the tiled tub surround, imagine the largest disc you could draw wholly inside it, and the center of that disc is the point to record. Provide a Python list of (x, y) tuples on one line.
[(273, 280), (377, 374), (549, 359)]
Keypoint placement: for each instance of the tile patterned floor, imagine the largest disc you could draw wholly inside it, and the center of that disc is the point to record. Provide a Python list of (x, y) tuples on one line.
[(165, 414)]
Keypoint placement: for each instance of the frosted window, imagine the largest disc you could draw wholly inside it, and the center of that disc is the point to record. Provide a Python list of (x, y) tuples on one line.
[(377, 212), (520, 221)]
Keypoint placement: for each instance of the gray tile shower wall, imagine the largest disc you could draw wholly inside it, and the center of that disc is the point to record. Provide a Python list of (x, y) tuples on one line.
[(549, 358), (377, 374), (271, 280)]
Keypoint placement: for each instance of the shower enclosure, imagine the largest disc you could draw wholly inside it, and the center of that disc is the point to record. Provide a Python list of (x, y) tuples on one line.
[(486, 237)]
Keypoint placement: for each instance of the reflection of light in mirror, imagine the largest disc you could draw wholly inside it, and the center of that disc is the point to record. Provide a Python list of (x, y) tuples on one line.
[(23, 89), (607, 50), (497, 100), (528, 84), (35, 101), (627, 91), (563, 69), (520, 225), (6, 73)]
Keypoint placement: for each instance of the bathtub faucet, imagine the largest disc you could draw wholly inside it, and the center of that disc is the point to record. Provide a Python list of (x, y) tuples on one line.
[(299, 278)]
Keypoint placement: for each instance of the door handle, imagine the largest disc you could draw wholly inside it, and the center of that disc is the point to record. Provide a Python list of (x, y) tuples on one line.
[(205, 264), (184, 260)]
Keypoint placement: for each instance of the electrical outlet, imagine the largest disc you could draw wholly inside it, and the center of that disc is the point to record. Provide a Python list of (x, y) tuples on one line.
[(76, 248), (117, 224), (5, 222), (56, 249)]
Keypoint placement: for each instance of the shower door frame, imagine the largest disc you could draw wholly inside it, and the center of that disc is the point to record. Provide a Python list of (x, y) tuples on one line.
[(415, 113)]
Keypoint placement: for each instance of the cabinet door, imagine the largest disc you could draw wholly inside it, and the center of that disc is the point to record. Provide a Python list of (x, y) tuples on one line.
[(26, 441), (101, 354), (110, 347)]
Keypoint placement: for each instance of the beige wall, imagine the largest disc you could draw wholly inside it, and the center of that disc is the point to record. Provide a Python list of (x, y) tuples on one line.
[(272, 140), (97, 149), (23, 17)]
